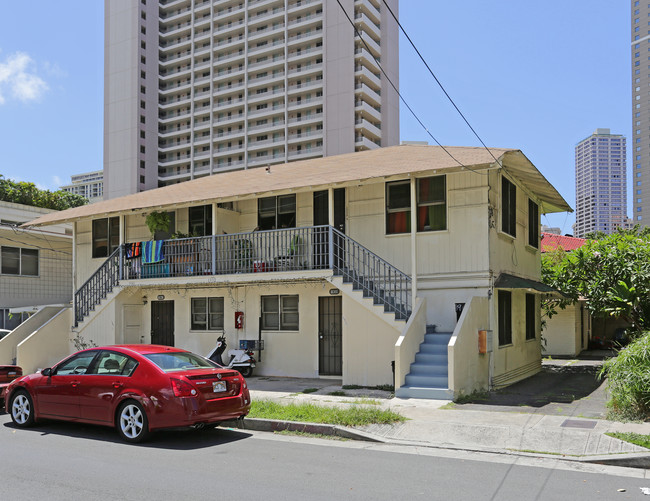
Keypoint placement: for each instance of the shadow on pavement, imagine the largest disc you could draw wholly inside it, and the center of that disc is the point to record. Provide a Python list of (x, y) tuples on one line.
[(165, 439), (563, 387)]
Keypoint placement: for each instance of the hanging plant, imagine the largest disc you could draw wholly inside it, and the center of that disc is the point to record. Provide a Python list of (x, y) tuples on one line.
[(157, 221)]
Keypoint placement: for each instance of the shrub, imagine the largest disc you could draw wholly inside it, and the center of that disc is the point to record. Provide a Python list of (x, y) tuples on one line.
[(628, 380)]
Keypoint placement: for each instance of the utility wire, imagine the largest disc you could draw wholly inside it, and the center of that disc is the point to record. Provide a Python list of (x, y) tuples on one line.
[(438, 81), (358, 34)]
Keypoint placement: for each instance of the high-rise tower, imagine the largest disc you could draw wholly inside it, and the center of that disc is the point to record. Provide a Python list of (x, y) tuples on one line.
[(194, 87), (640, 34), (601, 187)]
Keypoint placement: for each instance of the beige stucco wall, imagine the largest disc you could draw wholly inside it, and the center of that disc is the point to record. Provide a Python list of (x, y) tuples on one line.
[(469, 369), (47, 345), (562, 332)]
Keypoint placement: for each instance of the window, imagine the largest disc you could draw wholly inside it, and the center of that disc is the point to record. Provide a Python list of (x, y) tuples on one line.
[(531, 316), (200, 220), (114, 364), (106, 236), (533, 224), (280, 313), (508, 207), (432, 203), (207, 314), (77, 364), (505, 318), (19, 261), (398, 207), (276, 212)]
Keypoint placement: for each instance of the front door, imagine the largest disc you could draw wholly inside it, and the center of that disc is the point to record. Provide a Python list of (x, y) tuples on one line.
[(162, 322), (330, 349), (321, 217)]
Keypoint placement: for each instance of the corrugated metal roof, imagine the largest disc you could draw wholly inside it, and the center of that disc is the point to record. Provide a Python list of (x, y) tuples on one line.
[(320, 173)]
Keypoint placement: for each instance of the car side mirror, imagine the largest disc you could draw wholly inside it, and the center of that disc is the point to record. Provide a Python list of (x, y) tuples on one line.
[(46, 372)]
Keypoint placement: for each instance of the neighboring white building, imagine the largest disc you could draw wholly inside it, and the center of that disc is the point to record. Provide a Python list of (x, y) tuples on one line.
[(35, 264), (640, 171), (196, 87), (319, 258), (89, 185), (601, 186)]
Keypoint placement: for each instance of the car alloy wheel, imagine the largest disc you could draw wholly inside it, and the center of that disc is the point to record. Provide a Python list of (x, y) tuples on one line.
[(22, 413), (132, 423)]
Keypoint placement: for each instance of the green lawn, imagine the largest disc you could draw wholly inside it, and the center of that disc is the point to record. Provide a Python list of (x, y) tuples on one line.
[(633, 438), (310, 413)]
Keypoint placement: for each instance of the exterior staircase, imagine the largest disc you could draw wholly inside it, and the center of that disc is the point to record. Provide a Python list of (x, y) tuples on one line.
[(429, 373)]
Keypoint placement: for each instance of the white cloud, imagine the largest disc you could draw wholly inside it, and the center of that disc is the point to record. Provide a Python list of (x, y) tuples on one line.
[(18, 80)]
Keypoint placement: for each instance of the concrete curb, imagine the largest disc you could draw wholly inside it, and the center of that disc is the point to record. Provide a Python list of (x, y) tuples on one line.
[(629, 460), (258, 424)]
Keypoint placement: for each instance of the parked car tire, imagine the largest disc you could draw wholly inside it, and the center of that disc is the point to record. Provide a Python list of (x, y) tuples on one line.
[(132, 423), (21, 408)]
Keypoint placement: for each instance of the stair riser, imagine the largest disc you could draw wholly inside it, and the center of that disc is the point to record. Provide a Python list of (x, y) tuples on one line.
[(429, 370), (425, 393), (433, 349), (428, 359), (437, 338), (427, 381)]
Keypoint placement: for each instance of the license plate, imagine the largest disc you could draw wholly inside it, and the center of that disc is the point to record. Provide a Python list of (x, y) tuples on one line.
[(218, 386)]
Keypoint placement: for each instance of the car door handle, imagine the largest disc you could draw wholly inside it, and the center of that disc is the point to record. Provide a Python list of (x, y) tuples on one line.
[(117, 384), (75, 383)]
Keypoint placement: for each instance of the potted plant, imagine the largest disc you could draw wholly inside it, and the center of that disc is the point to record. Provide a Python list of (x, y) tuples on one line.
[(157, 221)]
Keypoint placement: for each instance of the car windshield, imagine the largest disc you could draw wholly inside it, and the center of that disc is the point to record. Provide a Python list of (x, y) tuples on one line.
[(180, 361)]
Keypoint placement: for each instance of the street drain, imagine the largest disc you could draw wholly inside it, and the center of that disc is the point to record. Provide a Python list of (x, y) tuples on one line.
[(579, 423)]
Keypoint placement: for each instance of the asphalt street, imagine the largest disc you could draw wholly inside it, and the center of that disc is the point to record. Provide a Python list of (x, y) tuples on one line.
[(65, 461)]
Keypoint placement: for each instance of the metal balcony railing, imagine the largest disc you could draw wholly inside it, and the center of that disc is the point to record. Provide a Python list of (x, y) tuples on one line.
[(291, 249)]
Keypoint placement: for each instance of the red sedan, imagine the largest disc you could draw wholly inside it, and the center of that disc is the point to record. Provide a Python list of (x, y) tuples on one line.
[(7, 374), (136, 388)]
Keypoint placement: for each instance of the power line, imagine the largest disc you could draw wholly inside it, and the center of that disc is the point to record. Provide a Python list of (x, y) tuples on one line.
[(358, 34), (436, 79)]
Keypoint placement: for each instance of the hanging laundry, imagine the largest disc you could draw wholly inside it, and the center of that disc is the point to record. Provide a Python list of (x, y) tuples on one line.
[(152, 251), (133, 250)]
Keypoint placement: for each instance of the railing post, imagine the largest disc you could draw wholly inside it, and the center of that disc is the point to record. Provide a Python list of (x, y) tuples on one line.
[(330, 231), (121, 274), (214, 255)]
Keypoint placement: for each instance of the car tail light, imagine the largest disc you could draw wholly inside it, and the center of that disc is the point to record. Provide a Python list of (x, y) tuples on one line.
[(182, 388)]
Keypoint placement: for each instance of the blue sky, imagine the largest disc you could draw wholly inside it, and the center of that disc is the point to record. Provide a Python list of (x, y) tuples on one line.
[(537, 76)]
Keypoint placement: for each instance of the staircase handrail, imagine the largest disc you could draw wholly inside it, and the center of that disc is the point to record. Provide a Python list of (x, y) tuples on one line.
[(394, 281), (98, 285)]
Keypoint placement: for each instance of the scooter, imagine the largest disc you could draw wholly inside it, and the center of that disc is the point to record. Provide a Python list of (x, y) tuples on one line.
[(242, 360)]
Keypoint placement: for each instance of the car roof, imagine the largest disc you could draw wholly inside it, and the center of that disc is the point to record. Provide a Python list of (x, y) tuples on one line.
[(145, 349)]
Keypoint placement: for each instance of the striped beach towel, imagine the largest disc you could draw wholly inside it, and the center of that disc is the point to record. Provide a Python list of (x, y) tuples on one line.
[(152, 251)]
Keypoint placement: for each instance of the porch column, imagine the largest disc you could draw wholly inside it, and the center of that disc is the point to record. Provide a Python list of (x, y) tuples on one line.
[(74, 258), (214, 218), (122, 229), (213, 246), (414, 251), (330, 206)]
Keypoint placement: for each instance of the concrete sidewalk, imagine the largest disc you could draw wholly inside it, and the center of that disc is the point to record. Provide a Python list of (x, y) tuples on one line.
[(504, 423)]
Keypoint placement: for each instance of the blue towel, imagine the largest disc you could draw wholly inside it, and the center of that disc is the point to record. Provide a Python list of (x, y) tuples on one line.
[(152, 251)]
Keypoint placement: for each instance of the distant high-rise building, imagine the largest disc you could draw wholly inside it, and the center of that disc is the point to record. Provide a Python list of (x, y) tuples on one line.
[(640, 38), (195, 87), (601, 188), (89, 185)]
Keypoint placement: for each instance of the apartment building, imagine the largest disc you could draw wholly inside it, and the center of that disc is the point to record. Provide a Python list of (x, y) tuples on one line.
[(601, 186), (89, 185), (197, 87), (640, 45)]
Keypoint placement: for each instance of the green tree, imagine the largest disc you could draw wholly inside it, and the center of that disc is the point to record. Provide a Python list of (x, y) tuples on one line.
[(611, 272), (21, 192)]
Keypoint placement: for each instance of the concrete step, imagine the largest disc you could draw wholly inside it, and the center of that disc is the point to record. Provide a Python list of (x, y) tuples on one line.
[(426, 381), (424, 393), (438, 338), (433, 349), (429, 370), (431, 359)]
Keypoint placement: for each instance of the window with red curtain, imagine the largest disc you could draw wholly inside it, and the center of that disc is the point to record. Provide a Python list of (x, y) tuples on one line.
[(432, 203), (398, 207)]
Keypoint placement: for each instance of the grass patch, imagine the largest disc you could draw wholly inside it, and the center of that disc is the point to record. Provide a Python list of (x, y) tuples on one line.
[(310, 435), (366, 401), (472, 397), (310, 413), (447, 406), (309, 390), (337, 393), (633, 438)]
